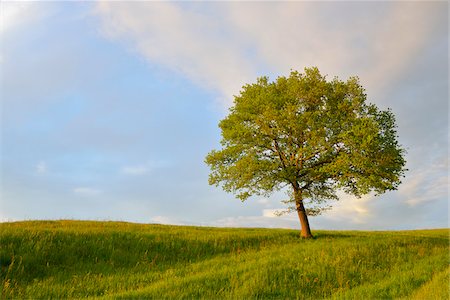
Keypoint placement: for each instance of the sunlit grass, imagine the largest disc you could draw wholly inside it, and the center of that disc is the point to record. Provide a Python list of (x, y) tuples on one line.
[(74, 259)]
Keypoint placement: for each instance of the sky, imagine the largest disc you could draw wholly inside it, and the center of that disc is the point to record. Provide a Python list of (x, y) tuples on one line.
[(108, 109)]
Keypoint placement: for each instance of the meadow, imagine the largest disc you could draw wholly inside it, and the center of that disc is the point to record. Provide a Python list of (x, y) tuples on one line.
[(78, 259)]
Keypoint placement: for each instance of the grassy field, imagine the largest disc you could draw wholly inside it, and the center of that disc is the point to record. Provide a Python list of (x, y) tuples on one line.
[(75, 259)]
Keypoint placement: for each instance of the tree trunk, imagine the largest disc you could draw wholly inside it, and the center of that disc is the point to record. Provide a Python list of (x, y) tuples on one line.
[(305, 230)]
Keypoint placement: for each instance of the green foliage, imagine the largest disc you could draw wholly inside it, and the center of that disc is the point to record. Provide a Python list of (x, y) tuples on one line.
[(305, 132), (73, 259)]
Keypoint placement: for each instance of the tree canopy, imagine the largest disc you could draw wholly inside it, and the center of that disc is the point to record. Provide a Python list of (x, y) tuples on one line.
[(308, 134)]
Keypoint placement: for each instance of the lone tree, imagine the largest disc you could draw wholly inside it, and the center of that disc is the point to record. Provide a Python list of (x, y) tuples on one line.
[(308, 134)]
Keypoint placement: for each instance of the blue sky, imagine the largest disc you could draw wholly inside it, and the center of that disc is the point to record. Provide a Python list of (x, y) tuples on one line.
[(109, 108)]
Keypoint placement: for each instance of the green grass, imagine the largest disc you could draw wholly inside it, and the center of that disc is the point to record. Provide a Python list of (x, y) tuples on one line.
[(75, 259)]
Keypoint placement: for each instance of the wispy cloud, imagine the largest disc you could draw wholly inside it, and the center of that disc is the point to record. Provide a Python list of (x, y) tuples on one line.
[(222, 45), (135, 170), (41, 167), (87, 191), (429, 183), (183, 39), (144, 168)]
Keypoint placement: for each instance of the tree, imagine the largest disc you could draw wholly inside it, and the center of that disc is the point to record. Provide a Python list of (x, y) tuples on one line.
[(311, 136)]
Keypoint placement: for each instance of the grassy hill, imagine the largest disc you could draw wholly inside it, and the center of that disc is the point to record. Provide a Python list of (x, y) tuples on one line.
[(74, 259)]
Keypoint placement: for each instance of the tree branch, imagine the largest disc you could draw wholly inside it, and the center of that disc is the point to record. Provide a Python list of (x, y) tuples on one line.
[(280, 154)]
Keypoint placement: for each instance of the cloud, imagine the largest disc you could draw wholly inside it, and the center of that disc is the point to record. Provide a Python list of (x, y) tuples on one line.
[(263, 201), (351, 210), (379, 42), (16, 15), (87, 191), (181, 38), (258, 221), (145, 168), (5, 217), (267, 219), (429, 183), (13, 14), (222, 45), (41, 167), (135, 170), (166, 220), (271, 213)]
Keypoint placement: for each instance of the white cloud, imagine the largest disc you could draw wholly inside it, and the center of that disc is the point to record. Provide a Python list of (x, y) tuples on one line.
[(428, 183), (409, 27), (193, 43), (4, 217), (267, 219), (87, 191), (15, 15), (145, 168), (271, 213), (135, 170), (19, 14), (349, 212), (41, 167), (263, 201), (223, 45), (378, 42), (166, 220), (351, 209), (12, 13), (258, 221)]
